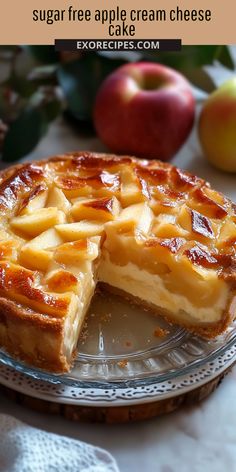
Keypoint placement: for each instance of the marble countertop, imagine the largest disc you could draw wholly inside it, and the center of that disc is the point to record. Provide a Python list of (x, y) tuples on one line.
[(200, 438)]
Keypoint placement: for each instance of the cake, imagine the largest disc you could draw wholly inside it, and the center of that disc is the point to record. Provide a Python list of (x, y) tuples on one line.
[(146, 229)]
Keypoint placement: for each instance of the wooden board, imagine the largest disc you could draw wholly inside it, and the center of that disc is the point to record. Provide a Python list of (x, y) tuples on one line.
[(120, 414)]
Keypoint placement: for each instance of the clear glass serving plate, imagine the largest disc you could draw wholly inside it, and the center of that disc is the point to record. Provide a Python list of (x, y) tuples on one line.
[(124, 345)]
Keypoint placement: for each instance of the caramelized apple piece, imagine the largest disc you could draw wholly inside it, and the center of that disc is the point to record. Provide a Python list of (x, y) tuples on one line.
[(201, 225), (136, 218), (57, 199), (102, 209), (60, 280), (83, 229), (37, 222), (198, 226), (184, 218), (101, 183), (34, 258), (130, 192), (48, 239), (34, 254), (77, 251), (208, 202), (18, 283), (165, 226), (227, 234), (8, 249), (34, 201), (184, 181), (4, 234)]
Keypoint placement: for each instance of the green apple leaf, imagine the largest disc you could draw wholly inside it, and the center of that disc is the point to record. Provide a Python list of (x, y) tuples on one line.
[(191, 57), (224, 56), (201, 79), (24, 133), (81, 79)]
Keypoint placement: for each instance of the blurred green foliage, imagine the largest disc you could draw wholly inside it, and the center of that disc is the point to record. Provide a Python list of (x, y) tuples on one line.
[(39, 84)]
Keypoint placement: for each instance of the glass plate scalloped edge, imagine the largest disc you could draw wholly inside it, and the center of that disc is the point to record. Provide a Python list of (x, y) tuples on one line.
[(181, 359), (118, 396)]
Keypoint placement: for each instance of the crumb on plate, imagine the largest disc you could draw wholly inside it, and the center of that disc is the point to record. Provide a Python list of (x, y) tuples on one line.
[(160, 332)]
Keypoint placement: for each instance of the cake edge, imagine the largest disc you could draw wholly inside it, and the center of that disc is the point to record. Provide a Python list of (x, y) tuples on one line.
[(210, 331), (44, 334)]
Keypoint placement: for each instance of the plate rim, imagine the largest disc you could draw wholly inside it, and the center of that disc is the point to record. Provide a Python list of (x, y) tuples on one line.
[(63, 379), (181, 383)]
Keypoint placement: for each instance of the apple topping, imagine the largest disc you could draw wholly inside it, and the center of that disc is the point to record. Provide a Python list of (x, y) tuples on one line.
[(201, 256), (81, 217), (130, 192), (164, 192), (77, 251), (8, 249), (227, 234), (201, 225), (102, 209), (61, 280), (165, 226), (18, 184), (73, 186), (166, 200), (153, 175), (202, 201), (37, 222), (184, 218), (48, 239), (197, 225), (184, 181), (18, 283), (34, 258), (101, 183), (35, 200), (82, 229), (57, 199), (171, 244), (137, 218), (35, 255), (85, 160), (164, 206), (4, 234)]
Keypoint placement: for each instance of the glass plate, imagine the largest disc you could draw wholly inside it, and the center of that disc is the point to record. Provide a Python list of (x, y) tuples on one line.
[(123, 345)]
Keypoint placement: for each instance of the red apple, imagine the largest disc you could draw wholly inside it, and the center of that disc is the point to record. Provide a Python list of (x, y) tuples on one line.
[(217, 127), (144, 109)]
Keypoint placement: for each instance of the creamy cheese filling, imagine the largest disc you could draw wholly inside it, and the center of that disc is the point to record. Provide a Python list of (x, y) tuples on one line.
[(74, 322), (151, 288)]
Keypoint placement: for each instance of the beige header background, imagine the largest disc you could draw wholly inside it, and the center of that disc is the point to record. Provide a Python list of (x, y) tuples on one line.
[(17, 26)]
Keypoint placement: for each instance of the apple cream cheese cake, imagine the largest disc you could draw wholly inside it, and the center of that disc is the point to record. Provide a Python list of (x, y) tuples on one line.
[(151, 231)]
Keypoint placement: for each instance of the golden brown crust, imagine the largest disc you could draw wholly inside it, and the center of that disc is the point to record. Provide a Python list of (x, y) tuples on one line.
[(32, 337), (19, 183), (16, 281)]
